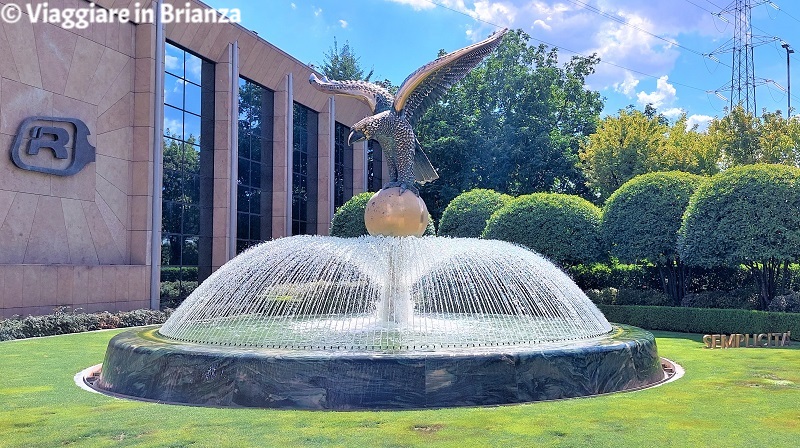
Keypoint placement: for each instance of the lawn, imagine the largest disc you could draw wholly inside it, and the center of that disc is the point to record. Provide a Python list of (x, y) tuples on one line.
[(735, 397)]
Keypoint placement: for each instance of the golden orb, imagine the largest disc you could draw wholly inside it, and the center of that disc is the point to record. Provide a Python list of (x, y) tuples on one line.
[(390, 213)]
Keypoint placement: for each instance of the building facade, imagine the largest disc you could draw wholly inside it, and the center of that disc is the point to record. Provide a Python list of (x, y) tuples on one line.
[(140, 157)]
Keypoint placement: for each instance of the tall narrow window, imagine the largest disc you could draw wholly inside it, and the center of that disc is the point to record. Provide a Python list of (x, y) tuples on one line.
[(342, 167), (374, 166), (254, 183), (187, 191), (304, 171)]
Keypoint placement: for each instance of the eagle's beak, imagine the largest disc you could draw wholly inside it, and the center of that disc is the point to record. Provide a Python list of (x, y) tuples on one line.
[(355, 137)]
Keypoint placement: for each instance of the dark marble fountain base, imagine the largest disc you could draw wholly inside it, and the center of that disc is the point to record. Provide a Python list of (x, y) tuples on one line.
[(142, 364)]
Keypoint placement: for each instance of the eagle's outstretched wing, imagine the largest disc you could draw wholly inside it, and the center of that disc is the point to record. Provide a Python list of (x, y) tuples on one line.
[(426, 85), (378, 98)]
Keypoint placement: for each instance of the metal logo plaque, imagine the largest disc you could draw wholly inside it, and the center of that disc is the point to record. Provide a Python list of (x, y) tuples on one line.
[(52, 145)]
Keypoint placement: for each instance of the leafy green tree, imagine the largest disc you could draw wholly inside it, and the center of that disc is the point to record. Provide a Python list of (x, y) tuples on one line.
[(624, 146), (634, 142), (746, 216), (564, 228), (641, 221), (343, 64), (514, 124), (467, 214), (779, 139), (688, 150), (736, 137)]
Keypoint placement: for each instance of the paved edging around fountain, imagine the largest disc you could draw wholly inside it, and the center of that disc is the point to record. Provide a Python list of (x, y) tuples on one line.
[(142, 364)]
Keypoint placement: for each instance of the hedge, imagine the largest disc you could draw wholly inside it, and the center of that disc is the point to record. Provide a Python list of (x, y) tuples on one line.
[(466, 215), (348, 221), (65, 322), (563, 228), (703, 320), (641, 219)]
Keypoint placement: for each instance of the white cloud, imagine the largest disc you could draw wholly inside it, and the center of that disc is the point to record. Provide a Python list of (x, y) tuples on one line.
[(672, 112), (171, 62), (628, 86), (702, 122), (175, 127), (588, 29), (293, 5), (343, 23), (664, 95), (541, 24), (317, 12), (417, 5)]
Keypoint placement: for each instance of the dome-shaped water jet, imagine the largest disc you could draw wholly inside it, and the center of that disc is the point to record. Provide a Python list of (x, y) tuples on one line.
[(381, 322)]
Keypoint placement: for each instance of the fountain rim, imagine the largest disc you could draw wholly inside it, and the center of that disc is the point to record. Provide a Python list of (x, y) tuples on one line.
[(151, 334), (86, 379), (627, 337)]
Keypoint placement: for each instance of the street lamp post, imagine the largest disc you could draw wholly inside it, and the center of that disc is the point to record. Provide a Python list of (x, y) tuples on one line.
[(789, 51)]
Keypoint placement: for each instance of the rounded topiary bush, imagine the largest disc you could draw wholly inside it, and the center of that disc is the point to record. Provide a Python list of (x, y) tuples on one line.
[(348, 220), (466, 215), (746, 216), (641, 219), (562, 227)]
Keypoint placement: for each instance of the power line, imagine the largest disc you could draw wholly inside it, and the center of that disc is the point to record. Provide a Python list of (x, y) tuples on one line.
[(626, 23), (784, 11), (673, 82)]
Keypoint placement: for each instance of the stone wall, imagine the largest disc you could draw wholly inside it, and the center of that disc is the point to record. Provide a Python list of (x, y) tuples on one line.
[(84, 240)]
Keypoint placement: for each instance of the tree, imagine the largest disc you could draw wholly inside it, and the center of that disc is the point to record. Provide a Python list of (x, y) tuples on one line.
[(641, 222), (688, 150), (564, 228), (746, 216), (623, 147), (467, 214), (513, 124), (634, 143), (343, 64), (736, 137), (779, 139)]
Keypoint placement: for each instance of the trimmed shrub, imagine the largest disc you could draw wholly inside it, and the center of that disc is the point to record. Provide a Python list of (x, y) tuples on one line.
[(744, 298), (348, 221), (466, 215), (65, 322), (174, 293), (789, 303), (178, 273), (617, 275), (641, 219), (627, 296), (745, 216), (562, 227), (703, 320)]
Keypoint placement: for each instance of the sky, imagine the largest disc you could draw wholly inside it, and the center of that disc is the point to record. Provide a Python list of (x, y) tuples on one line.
[(653, 51)]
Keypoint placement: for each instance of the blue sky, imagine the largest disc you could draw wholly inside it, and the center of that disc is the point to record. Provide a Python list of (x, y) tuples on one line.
[(652, 51)]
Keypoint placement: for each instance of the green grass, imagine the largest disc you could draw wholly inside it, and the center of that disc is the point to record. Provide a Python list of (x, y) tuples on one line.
[(731, 398)]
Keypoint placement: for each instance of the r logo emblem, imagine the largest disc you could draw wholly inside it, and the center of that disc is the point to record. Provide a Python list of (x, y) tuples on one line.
[(52, 145)]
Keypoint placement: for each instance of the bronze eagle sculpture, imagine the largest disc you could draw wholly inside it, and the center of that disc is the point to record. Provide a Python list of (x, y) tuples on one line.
[(395, 115)]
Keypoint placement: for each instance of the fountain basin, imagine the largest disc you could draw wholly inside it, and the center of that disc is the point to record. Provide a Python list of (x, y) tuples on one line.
[(142, 364)]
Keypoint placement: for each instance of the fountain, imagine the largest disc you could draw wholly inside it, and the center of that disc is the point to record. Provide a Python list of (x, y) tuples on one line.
[(383, 322), (317, 322)]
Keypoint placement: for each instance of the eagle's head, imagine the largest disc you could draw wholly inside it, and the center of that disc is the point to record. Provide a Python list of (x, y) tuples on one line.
[(366, 128)]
